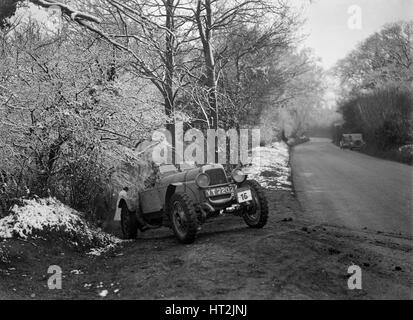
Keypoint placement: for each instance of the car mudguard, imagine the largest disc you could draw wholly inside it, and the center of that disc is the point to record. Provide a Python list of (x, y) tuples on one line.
[(192, 190), (130, 201)]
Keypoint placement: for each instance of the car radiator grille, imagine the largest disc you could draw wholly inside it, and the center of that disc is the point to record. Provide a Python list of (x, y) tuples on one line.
[(216, 176)]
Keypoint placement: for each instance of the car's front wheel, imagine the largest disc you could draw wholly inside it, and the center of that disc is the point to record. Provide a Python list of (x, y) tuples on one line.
[(256, 214), (183, 217), (129, 222)]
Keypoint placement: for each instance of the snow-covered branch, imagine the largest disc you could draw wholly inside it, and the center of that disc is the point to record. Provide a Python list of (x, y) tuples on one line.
[(74, 14)]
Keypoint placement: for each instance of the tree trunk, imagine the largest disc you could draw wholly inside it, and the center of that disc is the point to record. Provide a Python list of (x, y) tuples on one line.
[(211, 82), (169, 72)]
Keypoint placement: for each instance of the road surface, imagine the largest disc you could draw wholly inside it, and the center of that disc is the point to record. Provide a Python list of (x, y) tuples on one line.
[(348, 188)]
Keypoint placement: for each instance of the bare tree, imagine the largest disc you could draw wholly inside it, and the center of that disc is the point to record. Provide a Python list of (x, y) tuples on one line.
[(214, 18), (151, 33), (385, 56)]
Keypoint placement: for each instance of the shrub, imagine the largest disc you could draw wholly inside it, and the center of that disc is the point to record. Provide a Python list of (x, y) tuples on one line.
[(406, 153), (394, 132), (384, 116)]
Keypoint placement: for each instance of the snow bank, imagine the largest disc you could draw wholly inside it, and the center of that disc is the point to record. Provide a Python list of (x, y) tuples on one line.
[(40, 218), (271, 167)]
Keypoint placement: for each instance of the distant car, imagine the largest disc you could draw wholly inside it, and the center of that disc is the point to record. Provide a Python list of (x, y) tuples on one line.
[(352, 141), (345, 143), (357, 145), (183, 200)]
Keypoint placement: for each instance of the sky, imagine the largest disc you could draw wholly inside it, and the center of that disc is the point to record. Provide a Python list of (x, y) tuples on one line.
[(327, 25)]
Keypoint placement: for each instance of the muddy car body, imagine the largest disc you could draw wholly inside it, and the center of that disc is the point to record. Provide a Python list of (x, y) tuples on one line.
[(185, 200)]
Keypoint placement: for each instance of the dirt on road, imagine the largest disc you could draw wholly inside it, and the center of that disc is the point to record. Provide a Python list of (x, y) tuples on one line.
[(291, 258)]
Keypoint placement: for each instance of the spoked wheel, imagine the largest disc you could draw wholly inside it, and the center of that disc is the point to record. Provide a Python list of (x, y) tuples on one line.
[(129, 223), (256, 214), (183, 218)]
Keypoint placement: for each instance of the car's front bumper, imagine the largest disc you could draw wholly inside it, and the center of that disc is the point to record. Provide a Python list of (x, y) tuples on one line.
[(227, 202)]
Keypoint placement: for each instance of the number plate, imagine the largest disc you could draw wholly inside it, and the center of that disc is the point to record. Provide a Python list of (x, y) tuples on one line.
[(244, 195), (218, 191)]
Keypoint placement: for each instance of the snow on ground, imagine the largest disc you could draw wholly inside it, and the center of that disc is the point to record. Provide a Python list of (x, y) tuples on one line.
[(37, 216), (270, 167)]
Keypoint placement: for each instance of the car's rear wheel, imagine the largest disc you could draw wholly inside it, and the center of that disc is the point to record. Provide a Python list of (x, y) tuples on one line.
[(256, 214), (183, 217), (129, 222)]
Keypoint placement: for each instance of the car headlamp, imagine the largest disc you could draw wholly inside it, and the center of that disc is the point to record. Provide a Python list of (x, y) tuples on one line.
[(202, 180), (238, 176)]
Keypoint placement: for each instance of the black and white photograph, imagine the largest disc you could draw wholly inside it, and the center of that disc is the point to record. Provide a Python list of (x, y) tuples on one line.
[(206, 154)]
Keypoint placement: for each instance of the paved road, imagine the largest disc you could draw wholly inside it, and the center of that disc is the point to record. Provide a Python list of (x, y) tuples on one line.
[(348, 188)]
